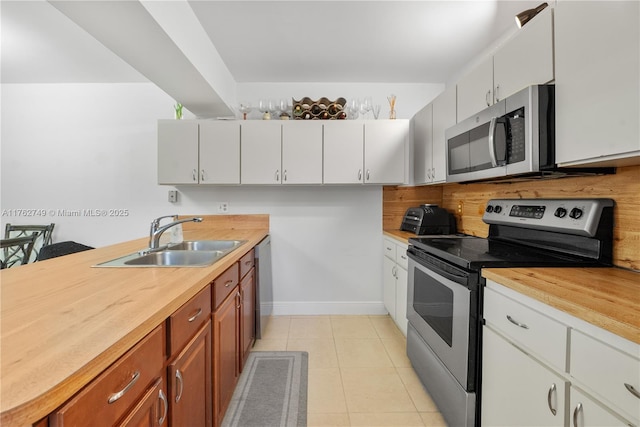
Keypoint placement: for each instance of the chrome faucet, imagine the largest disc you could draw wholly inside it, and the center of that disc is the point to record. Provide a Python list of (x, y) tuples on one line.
[(156, 231)]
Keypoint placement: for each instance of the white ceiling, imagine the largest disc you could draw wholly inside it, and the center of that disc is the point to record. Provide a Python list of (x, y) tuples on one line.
[(276, 41)]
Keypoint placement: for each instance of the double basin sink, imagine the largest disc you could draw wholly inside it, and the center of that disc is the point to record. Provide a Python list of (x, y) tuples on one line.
[(193, 253)]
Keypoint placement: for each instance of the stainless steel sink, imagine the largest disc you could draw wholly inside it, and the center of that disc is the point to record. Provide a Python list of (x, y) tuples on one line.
[(177, 258), (206, 245), (191, 253)]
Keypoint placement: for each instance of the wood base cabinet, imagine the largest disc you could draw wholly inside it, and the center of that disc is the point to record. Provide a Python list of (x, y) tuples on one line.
[(190, 386), (248, 330), (226, 323)]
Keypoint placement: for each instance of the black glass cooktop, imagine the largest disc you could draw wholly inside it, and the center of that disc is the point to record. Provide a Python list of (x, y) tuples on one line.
[(472, 252)]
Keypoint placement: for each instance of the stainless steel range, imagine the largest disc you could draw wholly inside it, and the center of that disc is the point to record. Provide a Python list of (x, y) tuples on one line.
[(444, 309)]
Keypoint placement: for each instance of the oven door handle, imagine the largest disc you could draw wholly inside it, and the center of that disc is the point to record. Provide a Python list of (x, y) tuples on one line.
[(462, 278)]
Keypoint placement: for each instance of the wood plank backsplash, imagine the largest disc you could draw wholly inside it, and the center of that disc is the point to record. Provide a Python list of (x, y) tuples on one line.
[(623, 187)]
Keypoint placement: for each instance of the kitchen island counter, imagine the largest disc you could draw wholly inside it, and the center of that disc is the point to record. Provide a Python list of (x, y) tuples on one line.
[(64, 321), (605, 297)]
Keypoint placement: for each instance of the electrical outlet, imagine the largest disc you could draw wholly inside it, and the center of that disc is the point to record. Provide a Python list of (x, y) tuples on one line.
[(460, 207), (173, 196), (223, 207)]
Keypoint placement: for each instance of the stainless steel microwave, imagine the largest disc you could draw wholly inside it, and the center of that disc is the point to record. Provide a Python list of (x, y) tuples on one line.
[(515, 136)]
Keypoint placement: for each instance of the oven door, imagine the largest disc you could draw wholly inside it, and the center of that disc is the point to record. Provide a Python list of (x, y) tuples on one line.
[(442, 307)]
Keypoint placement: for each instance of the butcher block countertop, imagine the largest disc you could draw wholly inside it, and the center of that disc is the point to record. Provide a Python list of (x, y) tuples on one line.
[(64, 322), (605, 297)]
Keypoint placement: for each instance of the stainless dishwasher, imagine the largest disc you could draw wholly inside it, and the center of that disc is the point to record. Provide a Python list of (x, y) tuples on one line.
[(264, 285)]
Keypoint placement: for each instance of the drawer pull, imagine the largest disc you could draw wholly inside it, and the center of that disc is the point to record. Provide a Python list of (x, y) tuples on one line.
[(515, 322), (404, 257), (632, 390), (195, 316), (165, 407), (118, 395), (228, 283), (181, 383), (248, 262), (576, 412), (552, 391)]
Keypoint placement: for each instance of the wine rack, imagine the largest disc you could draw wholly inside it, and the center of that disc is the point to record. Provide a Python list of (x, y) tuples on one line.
[(322, 109)]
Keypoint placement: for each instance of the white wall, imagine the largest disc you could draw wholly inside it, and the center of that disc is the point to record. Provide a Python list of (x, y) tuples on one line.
[(410, 97), (68, 147)]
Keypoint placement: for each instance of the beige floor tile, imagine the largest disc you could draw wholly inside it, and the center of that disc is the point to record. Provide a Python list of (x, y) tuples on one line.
[(375, 390), (310, 327), (433, 419), (325, 392), (385, 327), (277, 328), (416, 390), (322, 352), (397, 351), (395, 419), (328, 420), (353, 327), (362, 353), (270, 345)]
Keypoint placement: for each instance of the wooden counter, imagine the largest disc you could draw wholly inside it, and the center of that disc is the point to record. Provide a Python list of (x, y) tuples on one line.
[(64, 322), (606, 297)]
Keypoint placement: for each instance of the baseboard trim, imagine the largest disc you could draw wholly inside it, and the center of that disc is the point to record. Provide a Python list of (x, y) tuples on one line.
[(328, 307)]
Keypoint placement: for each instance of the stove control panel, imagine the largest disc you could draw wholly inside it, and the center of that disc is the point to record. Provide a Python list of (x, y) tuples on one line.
[(574, 216)]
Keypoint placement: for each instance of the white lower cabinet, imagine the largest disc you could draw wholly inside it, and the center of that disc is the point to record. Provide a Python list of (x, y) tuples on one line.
[(587, 412), (518, 390), (395, 265), (524, 381)]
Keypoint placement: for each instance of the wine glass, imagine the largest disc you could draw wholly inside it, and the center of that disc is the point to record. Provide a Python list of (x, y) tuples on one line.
[(285, 107), (265, 106), (365, 107), (353, 108), (376, 111), (245, 108)]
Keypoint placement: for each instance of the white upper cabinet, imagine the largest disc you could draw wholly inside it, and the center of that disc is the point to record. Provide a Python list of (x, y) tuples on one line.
[(219, 152), (302, 152), (597, 85), (524, 60), (261, 152), (193, 152), (177, 152), (444, 116), (422, 132), (385, 144), (343, 152), (475, 90)]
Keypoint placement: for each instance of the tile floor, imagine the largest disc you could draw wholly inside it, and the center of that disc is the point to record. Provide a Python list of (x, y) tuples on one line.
[(359, 374)]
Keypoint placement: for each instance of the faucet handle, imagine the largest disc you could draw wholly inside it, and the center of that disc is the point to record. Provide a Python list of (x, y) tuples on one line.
[(157, 220)]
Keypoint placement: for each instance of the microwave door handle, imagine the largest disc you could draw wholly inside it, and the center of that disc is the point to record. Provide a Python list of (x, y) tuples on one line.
[(493, 141)]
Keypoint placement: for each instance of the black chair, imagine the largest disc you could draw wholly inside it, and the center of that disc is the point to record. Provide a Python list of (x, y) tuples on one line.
[(16, 251), (61, 249), (44, 238)]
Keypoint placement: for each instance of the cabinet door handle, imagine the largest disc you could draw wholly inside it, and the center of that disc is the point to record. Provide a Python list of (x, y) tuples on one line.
[(194, 175), (486, 98), (433, 173), (239, 299), (284, 175), (277, 175), (393, 271), (632, 390), (552, 391), (228, 283), (181, 384), (165, 407), (577, 411), (195, 316), (368, 174), (202, 175), (117, 395), (359, 174), (515, 322)]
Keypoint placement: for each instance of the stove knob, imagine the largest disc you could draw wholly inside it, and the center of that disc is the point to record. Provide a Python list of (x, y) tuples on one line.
[(497, 209), (560, 212), (489, 209), (576, 213)]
